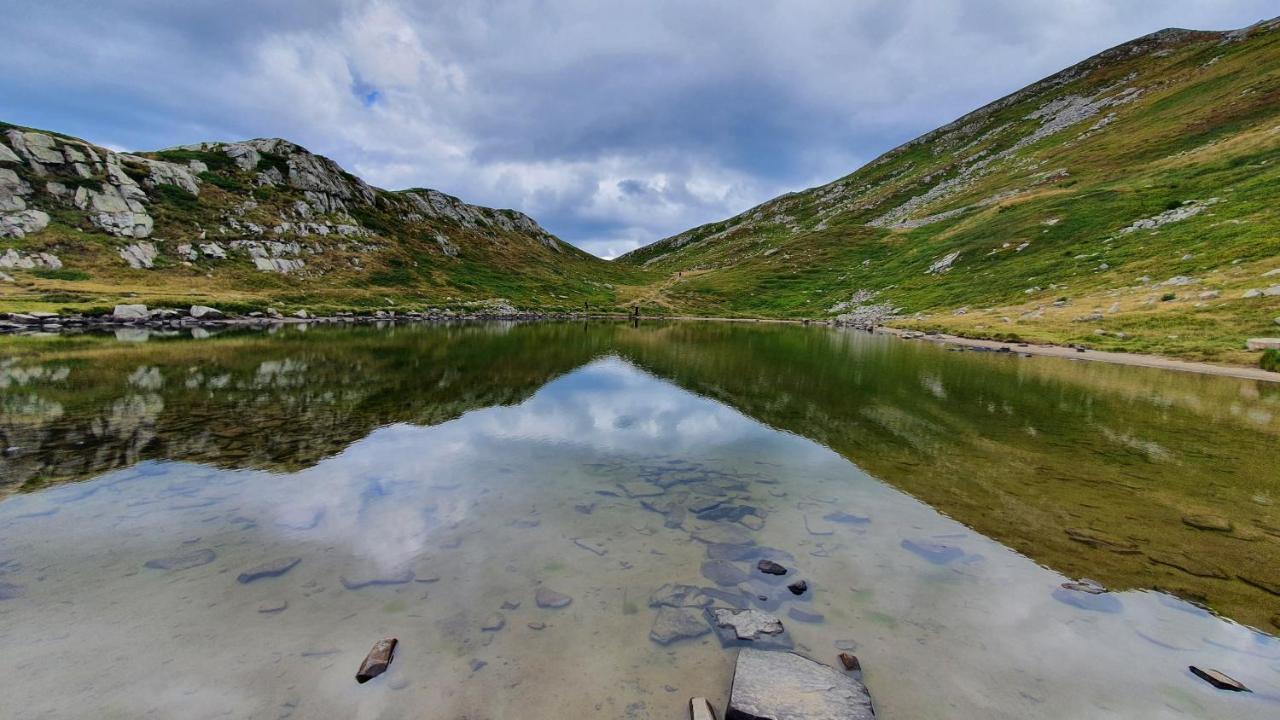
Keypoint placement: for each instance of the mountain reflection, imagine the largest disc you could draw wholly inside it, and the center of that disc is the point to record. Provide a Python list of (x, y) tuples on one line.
[(1136, 478)]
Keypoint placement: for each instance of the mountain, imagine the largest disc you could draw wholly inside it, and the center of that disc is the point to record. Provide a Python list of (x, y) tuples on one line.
[(1128, 202), (263, 221)]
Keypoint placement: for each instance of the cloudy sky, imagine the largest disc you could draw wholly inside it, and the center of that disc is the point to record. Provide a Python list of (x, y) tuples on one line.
[(612, 123)]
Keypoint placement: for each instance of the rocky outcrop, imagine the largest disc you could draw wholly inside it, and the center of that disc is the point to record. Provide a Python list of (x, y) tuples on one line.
[(786, 686)]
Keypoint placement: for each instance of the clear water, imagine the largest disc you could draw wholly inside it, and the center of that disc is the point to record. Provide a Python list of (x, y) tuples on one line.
[(466, 467)]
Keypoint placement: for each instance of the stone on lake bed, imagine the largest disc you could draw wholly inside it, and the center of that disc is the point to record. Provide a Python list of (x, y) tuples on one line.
[(1218, 679), (377, 661), (537, 626), (671, 595), (936, 553), (798, 587), (752, 522), (494, 622), (785, 686), (1092, 587), (770, 567), (183, 561), (845, 518), (547, 598), (700, 709), (1088, 600), (271, 568), (818, 526), (640, 488), (1204, 521), (724, 573), (671, 624), (805, 616), (747, 624), (357, 582), (722, 534), (277, 606), (590, 546)]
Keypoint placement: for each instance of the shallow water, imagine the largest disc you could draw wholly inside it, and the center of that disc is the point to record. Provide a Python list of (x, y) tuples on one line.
[(934, 501)]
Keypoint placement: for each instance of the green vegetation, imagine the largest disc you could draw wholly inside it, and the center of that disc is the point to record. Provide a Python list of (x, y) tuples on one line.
[(1040, 227), (1270, 360)]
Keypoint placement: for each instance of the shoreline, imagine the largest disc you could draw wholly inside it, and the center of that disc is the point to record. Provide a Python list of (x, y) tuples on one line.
[(1159, 362), (1115, 358)]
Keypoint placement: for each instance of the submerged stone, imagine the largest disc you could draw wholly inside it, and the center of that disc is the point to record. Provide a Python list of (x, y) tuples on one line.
[(770, 567), (936, 553), (547, 598), (671, 624), (805, 616), (640, 488), (747, 624), (1085, 585), (494, 622), (183, 561), (277, 606), (358, 582), (700, 709), (724, 573), (1087, 600), (798, 587), (671, 595), (850, 662), (845, 518), (785, 686), (271, 568), (818, 526)]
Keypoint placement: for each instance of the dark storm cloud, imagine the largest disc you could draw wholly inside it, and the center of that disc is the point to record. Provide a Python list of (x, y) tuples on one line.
[(613, 123)]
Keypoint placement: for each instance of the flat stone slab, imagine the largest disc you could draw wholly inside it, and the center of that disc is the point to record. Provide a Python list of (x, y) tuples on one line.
[(640, 488), (355, 582), (547, 598), (700, 709), (771, 685), (748, 624), (672, 624), (269, 569), (183, 561), (679, 596)]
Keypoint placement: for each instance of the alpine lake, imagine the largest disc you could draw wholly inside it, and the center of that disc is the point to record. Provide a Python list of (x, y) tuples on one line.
[(221, 527)]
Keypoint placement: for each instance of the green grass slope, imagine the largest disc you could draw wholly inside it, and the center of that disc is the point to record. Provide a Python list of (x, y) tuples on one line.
[(258, 223), (1129, 202)]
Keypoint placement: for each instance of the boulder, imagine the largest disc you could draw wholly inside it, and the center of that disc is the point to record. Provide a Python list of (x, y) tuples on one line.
[(204, 312), (128, 313), (1263, 344), (785, 686), (377, 661)]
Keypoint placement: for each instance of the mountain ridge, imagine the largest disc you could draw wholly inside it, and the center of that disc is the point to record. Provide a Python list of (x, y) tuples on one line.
[(1120, 160)]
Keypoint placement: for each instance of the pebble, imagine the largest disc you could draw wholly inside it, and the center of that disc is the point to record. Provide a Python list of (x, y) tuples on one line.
[(1218, 679), (273, 607), (798, 587), (183, 561), (770, 567), (700, 709), (850, 662), (547, 598), (494, 622), (269, 569), (377, 661)]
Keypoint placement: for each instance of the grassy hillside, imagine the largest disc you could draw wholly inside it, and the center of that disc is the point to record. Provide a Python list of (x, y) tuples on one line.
[(263, 222), (1128, 203)]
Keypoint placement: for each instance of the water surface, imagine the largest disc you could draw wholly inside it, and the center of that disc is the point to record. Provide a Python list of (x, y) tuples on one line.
[(432, 479)]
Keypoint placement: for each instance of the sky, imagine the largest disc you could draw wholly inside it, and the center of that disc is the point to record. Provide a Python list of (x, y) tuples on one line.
[(614, 124)]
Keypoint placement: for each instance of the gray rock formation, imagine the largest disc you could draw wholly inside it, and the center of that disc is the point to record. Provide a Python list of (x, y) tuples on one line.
[(785, 686), (747, 624)]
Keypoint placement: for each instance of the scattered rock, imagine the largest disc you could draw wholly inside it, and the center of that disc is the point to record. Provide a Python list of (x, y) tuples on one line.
[(1093, 587), (671, 624), (785, 686), (547, 598), (770, 567), (1262, 344), (818, 526), (537, 626), (183, 561), (640, 488), (277, 606), (589, 546), (204, 312), (724, 573), (721, 534), (845, 518), (805, 616), (700, 709), (850, 662), (510, 605), (798, 587), (679, 596), (1218, 679), (358, 582), (477, 665), (1215, 523), (377, 661), (494, 622), (269, 569), (936, 553), (747, 624), (129, 313), (753, 522), (1087, 600)]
